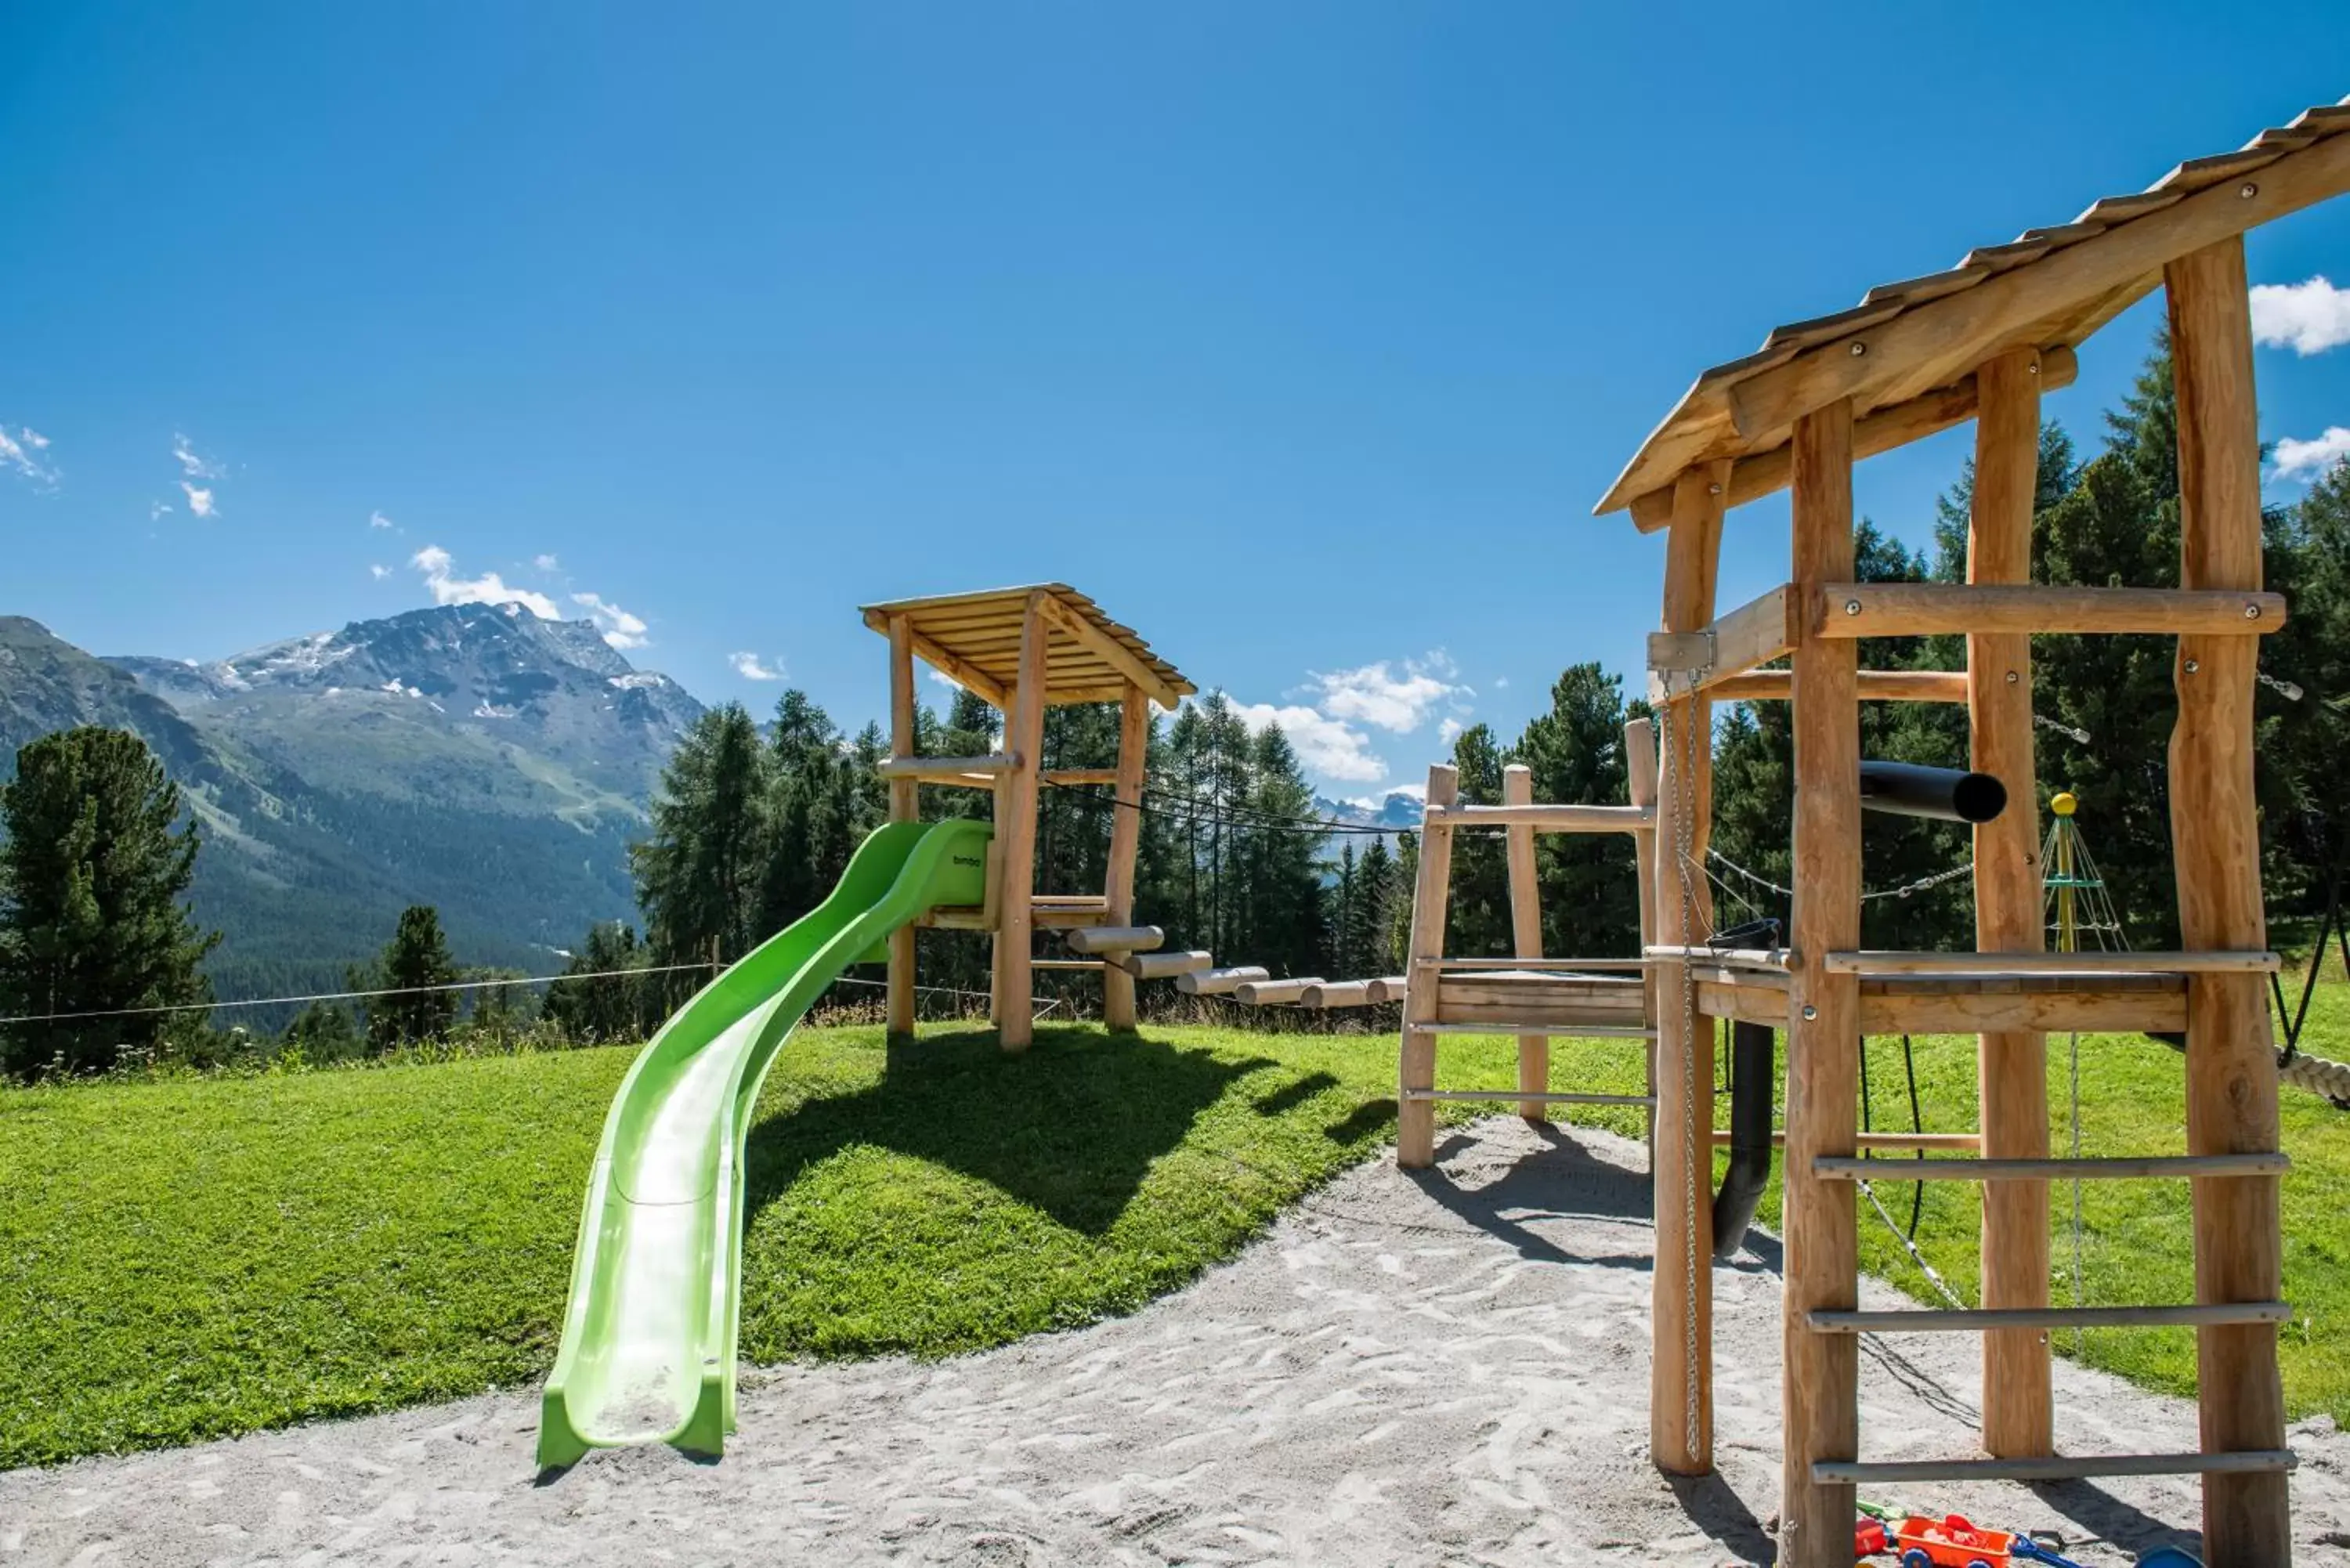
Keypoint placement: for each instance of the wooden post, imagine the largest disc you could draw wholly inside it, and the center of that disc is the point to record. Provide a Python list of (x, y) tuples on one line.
[(1416, 1069), (1640, 771), (904, 806), (2012, 1069), (1525, 931), (2231, 1082), (1125, 836), (1822, 1391), (1016, 830), (1681, 1372)]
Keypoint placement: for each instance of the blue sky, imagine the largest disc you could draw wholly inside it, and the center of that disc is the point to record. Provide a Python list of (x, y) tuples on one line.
[(1303, 336)]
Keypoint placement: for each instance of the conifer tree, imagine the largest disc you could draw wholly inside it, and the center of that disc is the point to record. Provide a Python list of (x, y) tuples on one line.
[(701, 875), (414, 961), (92, 873)]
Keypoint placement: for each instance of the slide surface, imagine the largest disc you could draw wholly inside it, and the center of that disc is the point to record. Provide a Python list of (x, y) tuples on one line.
[(648, 1337)]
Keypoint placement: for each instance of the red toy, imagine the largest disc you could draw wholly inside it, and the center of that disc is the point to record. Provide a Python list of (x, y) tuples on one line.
[(1954, 1541)]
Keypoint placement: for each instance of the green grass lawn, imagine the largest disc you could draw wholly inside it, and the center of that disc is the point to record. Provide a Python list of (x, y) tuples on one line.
[(187, 1259), (181, 1260)]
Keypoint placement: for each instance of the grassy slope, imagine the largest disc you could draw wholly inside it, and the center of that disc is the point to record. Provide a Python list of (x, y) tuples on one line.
[(185, 1260)]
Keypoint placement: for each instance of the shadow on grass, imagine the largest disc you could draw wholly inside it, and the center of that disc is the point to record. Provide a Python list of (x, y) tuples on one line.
[(1070, 1127)]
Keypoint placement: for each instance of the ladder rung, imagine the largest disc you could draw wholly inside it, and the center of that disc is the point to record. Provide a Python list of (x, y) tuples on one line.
[(1471, 965), (1572, 1099), (2055, 1467), (1971, 1320), (1533, 1026), (1847, 1168)]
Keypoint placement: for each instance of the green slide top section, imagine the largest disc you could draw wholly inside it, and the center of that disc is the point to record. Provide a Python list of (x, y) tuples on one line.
[(648, 1337)]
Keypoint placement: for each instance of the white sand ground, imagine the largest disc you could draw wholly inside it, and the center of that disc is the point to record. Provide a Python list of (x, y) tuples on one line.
[(1405, 1371)]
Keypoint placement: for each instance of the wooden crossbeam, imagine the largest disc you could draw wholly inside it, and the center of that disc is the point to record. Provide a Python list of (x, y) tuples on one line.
[(1112, 652), (1931, 609)]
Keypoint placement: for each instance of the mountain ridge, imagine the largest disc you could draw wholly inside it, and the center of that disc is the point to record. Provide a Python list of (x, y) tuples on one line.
[(470, 756)]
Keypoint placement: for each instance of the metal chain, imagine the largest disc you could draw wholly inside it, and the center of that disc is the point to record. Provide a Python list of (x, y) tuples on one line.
[(1908, 889), (1685, 855)]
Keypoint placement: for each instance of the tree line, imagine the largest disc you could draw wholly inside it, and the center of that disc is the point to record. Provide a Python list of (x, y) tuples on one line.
[(754, 823)]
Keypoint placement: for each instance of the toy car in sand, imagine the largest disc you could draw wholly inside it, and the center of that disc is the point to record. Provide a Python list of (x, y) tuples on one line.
[(1955, 1541)]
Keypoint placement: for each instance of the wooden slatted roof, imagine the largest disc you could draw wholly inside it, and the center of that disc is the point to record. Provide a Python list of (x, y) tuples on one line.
[(1088, 658), (1906, 349)]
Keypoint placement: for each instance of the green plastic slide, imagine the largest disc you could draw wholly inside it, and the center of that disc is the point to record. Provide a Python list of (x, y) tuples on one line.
[(648, 1338)]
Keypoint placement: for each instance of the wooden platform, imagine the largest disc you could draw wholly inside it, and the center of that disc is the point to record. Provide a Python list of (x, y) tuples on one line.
[(1753, 990)]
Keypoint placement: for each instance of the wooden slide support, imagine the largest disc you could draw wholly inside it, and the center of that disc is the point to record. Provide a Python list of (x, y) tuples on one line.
[(904, 806), (1164, 966), (1218, 981), (1115, 938)]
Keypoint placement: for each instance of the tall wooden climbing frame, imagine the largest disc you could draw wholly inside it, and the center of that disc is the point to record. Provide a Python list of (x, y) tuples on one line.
[(1023, 650), (1982, 341)]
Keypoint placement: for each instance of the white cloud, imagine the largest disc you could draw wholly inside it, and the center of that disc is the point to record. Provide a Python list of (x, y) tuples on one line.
[(1501, 683), (200, 500), (20, 451), (191, 465), (748, 667), (379, 573), (620, 628), (547, 563), (378, 519), (1330, 747), (488, 589), (1375, 694), (2308, 460), (2307, 318), (944, 679), (1448, 730), (156, 509)]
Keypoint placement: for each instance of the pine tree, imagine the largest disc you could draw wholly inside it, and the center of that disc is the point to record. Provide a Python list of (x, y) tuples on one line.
[(1590, 886), (92, 873), (700, 876), (1279, 867), (1477, 917), (611, 1005), (415, 960)]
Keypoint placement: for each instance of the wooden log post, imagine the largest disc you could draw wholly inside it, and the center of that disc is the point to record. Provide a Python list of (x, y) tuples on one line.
[(1016, 830), (1525, 932), (1822, 1390), (1416, 1057), (1125, 838), (1641, 775), (2232, 1081), (2012, 1069), (904, 806), (1681, 1372)]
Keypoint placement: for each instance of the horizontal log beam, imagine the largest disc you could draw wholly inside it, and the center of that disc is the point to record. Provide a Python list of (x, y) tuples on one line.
[(1765, 627), (1932, 609), (2123, 1168), (951, 770), (1876, 686), (1976, 1320), (2087, 965), (1545, 818), (1766, 472), (2055, 1467)]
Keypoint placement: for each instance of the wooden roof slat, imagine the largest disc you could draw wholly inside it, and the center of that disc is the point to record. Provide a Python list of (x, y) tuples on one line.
[(2201, 173), (1933, 286), (2048, 288)]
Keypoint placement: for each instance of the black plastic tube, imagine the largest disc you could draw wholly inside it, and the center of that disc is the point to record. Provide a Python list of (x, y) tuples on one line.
[(1753, 1066), (1946, 794)]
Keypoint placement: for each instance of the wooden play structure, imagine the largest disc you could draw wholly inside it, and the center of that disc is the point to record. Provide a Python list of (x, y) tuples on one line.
[(1025, 649), (1526, 995), (1979, 342)]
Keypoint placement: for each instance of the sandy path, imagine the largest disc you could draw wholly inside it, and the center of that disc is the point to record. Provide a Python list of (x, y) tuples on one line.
[(1453, 1371)]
